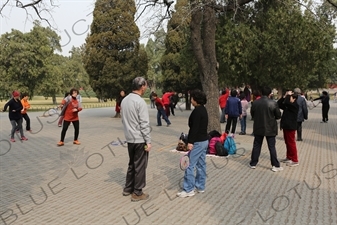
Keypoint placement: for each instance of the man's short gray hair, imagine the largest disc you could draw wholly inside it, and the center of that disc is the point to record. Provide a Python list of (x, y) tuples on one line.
[(297, 91), (137, 83)]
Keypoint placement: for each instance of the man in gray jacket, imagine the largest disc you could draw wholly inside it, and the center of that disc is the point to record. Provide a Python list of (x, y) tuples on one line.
[(302, 112), (265, 112), (135, 119)]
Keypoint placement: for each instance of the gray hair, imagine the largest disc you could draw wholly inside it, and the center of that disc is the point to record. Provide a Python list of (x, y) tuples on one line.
[(137, 83), (297, 91)]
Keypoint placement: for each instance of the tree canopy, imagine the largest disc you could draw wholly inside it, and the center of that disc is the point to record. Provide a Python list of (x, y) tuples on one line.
[(294, 49), (29, 62), (113, 57)]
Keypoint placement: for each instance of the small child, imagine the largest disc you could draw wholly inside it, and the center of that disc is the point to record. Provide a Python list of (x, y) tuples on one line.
[(243, 119), (26, 106)]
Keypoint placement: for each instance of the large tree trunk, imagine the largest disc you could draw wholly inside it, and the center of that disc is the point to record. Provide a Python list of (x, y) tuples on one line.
[(203, 27)]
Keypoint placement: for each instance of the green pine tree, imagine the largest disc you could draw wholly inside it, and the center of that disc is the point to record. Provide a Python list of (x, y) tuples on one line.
[(112, 55)]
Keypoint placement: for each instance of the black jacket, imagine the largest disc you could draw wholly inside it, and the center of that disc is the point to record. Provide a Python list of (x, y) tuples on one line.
[(15, 108), (265, 112), (324, 100), (198, 122), (290, 112)]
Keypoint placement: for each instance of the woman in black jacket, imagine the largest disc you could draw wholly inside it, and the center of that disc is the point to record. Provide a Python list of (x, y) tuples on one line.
[(289, 126), (15, 115)]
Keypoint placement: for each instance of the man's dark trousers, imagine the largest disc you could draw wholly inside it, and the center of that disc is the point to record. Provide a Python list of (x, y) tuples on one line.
[(136, 174), (271, 141)]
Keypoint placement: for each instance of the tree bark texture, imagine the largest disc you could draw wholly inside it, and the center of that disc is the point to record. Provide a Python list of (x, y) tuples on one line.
[(203, 27)]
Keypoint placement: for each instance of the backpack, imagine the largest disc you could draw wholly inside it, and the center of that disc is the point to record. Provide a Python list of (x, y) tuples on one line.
[(220, 149), (223, 137), (211, 145), (230, 145), (212, 134)]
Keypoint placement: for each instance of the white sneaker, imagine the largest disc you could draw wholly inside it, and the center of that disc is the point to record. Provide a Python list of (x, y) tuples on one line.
[(185, 194), (291, 163), (276, 169), (200, 191), (285, 160)]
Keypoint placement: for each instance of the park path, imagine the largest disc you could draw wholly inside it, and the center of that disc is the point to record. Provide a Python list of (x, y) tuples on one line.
[(41, 183)]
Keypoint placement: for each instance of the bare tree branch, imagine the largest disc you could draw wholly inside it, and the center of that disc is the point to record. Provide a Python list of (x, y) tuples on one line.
[(3, 6), (333, 4), (38, 7)]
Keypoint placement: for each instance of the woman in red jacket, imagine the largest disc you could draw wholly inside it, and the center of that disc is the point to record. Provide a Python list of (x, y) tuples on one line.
[(72, 107)]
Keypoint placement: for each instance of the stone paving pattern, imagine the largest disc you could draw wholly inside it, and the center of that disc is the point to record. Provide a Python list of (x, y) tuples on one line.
[(41, 183)]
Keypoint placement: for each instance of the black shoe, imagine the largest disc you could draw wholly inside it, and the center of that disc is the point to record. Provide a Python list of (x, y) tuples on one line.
[(158, 125), (299, 139), (242, 133)]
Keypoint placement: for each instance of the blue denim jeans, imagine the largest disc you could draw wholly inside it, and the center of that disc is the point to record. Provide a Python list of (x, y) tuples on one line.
[(161, 113), (243, 122), (198, 160)]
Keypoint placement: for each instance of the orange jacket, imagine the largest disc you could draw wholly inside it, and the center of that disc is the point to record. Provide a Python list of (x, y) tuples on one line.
[(25, 105), (69, 114)]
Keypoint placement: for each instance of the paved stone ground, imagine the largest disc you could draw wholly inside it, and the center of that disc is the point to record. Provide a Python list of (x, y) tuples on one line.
[(41, 183)]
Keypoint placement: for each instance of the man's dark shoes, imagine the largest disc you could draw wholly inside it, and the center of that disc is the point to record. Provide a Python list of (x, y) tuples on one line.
[(299, 139), (242, 133), (136, 198)]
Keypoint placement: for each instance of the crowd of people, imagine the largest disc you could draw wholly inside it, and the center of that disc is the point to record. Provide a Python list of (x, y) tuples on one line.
[(234, 105)]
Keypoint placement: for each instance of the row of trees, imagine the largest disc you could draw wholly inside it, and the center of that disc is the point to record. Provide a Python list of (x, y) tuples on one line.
[(274, 43), (280, 43), (29, 63)]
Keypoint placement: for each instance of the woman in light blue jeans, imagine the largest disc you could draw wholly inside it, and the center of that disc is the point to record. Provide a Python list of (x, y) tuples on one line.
[(198, 161), (197, 145)]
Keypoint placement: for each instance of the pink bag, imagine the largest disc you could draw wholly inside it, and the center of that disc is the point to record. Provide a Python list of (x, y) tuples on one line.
[(211, 145)]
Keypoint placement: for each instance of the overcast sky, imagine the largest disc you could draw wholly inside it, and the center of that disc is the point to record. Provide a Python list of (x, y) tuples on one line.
[(71, 20)]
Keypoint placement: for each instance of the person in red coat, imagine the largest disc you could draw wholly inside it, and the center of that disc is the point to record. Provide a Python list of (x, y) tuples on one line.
[(118, 104), (70, 112), (166, 101), (222, 103)]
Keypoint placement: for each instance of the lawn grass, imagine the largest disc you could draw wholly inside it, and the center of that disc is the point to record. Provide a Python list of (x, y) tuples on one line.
[(39, 103)]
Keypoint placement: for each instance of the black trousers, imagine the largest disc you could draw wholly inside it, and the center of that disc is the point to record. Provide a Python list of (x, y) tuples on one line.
[(231, 121), (136, 174), (26, 117), (65, 128), (258, 140), (325, 111), (299, 130), (172, 108)]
